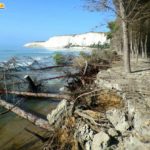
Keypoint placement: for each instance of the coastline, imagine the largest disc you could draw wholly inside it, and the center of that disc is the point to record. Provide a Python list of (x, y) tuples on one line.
[(74, 48), (76, 42)]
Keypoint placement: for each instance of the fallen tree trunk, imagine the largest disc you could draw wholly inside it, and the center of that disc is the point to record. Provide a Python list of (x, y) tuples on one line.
[(52, 78), (42, 123), (44, 95), (52, 67)]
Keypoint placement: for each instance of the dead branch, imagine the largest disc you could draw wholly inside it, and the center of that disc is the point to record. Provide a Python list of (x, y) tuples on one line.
[(44, 95), (52, 67), (82, 95), (58, 77), (42, 123), (7, 111), (86, 65), (81, 114)]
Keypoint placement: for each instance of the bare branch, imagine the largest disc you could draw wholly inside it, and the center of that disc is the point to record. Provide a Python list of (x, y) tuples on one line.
[(26, 115)]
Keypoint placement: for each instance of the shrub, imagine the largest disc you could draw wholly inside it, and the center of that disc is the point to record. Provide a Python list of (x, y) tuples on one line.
[(79, 62), (59, 59), (63, 59), (103, 54), (84, 55), (96, 57), (101, 46)]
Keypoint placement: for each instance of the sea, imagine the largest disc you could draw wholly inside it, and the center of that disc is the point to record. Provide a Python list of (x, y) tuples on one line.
[(6, 54), (13, 135)]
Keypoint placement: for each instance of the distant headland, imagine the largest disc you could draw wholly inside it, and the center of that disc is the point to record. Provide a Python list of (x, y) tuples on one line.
[(69, 41)]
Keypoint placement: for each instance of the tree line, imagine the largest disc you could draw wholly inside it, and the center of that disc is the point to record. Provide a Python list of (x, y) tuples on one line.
[(130, 32)]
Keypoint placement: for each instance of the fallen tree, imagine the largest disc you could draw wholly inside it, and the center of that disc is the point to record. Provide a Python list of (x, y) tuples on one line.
[(42, 123), (52, 67), (39, 95)]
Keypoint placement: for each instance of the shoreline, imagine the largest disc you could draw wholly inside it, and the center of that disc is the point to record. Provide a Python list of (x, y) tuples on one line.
[(78, 41), (75, 48), (65, 49)]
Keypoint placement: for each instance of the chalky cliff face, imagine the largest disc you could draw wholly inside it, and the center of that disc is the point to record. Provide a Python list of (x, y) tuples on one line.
[(80, 40)]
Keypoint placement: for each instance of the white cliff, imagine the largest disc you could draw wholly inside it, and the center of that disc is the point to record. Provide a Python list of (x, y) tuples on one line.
[(66, 41)]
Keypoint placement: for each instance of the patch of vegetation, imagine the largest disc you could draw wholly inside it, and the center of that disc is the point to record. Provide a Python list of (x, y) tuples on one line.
[(62, 59), (59, 59), (107, 55), (113, 28), (100, 46), (84, 54), (98, 55), (71, 45), (68, 46)]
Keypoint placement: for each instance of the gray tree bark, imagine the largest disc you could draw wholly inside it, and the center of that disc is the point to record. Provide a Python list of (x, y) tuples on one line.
[(42, 123), (125, 38), (43, 95)]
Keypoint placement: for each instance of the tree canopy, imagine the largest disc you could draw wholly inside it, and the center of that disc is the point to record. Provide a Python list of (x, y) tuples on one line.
[(131, 27)]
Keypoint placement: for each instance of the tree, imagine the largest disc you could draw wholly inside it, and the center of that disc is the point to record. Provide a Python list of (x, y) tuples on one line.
[(125, 37), (129, 12), (114, 35), (133, 14)]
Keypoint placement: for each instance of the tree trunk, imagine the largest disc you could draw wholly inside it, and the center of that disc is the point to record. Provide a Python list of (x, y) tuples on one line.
[(142, 49), (125, 38), (145, 46), (42, 123), (52, 67), (44, 95), (137, 50), (131, 43)]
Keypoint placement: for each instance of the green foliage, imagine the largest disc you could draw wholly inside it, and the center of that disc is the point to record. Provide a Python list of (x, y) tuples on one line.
[(113, 28), (84, 55), (62, 59), (98, 55), (69, 45), (100, 46), (59, 59)]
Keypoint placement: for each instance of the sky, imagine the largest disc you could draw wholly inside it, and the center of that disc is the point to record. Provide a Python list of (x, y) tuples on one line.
[(25, 21)]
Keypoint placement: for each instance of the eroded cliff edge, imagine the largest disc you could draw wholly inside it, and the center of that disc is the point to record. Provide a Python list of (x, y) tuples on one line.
[(115, 114)]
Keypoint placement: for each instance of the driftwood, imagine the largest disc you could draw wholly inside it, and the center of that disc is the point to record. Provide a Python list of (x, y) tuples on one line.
[(52, 67), (43, 95), (42, 123), (8, 110), (52, 78)]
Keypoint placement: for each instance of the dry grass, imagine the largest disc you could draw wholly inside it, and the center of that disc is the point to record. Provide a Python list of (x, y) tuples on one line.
[(102, 100), (79, 62), (63, 138), (66, 135), (109, 99)]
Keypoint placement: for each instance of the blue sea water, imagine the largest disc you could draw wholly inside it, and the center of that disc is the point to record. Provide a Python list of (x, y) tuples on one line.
[(12, 127), (6, 54)]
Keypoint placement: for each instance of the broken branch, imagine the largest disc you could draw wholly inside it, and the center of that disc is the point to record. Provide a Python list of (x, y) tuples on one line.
[(42, 123), (44, 95)]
